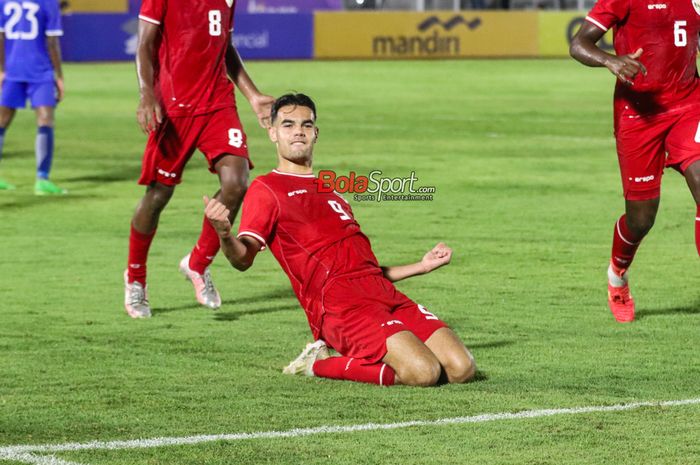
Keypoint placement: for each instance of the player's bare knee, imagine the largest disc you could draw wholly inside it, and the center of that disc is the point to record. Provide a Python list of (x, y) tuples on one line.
[(44, 120), (6, 115), (640, 225), (421, 372), (460, 368), (44, 116), (158, 196)]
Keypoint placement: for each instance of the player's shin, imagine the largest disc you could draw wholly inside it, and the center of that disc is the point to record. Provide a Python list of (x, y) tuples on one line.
[(697, 228), (2, 140), (352, 369), (206, 249), (139, 244), (624, 246), (44, 151)]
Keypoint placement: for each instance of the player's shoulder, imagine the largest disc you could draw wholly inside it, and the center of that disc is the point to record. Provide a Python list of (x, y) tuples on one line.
[(264, 184)]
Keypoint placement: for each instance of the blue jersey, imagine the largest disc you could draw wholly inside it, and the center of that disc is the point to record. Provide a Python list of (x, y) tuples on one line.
[(26, 24)]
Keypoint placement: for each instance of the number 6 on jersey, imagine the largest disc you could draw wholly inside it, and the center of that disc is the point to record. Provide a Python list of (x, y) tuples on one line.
[(680, 35)]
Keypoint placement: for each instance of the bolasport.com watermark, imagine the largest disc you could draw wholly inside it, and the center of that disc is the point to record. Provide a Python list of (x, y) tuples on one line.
[(375, 187)]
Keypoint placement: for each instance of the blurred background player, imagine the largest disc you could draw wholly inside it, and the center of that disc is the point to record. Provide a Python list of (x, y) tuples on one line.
[(184, 61), (656, 111), (350, 302), (31, 70)]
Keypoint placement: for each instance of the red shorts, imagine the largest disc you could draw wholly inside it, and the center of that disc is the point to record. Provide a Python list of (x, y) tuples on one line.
[(360, 314), (648, 144), (170, 147)]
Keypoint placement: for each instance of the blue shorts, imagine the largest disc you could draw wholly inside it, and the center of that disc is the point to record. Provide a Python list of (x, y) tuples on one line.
[(16, 93)]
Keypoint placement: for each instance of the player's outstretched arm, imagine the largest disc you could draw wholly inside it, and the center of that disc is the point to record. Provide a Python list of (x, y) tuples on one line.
[(261, 103), (149, 113), (239, 252), (54, 48), (584, 49), (438, 256)]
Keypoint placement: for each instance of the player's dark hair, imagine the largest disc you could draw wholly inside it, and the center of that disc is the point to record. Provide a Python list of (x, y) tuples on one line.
[(297, 100)]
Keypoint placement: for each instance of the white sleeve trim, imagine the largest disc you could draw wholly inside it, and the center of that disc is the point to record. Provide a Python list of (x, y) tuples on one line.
[(2, 29), (149, 20), (591, 20), (255, 236), (54, 33)]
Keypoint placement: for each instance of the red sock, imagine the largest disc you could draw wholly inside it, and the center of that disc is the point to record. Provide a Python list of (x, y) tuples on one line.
[(697, 229), (625, 245), (205, 250), (352, 369), (139, 244)]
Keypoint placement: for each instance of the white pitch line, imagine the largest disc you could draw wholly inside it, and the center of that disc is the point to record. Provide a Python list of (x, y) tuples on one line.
[(26, 453)]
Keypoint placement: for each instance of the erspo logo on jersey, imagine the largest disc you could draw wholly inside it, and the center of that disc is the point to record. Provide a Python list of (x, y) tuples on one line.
[(374, 187)]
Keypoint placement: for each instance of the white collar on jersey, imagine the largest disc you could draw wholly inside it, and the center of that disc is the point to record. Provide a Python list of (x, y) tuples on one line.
[(295, 175)]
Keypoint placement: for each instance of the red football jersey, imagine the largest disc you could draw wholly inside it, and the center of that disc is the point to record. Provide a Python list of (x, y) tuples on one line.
[(190, 69), (313, 235), (667, 31)]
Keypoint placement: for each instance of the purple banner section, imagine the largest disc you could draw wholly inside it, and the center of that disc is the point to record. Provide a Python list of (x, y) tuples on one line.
[(112, 37), (270, 6), (286, 6), (275, 36), (99, 37)]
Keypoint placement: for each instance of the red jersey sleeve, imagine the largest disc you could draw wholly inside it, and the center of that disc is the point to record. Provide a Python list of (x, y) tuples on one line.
[(233, 16), (607, 13), (260, 213), (152, 11)]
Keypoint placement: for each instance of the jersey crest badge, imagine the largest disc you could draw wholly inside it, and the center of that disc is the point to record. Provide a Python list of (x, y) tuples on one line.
[(696, 5), (230, 3)]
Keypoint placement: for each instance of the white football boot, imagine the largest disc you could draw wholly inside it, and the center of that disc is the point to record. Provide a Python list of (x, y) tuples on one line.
[(135, 299), (204, 289), (304, 363)]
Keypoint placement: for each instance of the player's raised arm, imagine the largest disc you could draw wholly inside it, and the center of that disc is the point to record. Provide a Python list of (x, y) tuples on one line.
[(239, 252), (149, 113), (438, 256), (584, 49), (261, 103)]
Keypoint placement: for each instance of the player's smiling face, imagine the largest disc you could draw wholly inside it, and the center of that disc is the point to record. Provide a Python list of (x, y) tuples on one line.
[(294, 132)]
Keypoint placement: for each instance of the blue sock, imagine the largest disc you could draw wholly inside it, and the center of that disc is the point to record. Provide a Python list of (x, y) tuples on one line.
[(2, 140), (44, 151)]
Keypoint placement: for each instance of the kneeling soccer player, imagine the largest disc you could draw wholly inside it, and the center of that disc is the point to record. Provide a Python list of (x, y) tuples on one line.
[(350, 302)]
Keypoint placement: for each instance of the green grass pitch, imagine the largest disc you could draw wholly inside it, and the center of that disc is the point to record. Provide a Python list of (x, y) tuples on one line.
[(523, 158)]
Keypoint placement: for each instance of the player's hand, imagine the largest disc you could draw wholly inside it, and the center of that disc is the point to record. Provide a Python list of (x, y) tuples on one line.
[(439, 256), (2, 77), (262, 106), (60, 89), (149, 114), (626, 67), (217, 214)]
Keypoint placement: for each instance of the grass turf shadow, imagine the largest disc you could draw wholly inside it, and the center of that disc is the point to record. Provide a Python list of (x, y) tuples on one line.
[(681, 310)]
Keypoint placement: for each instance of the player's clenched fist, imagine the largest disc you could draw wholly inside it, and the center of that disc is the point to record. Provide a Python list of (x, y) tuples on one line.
[(217, 214), (440, 255)]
